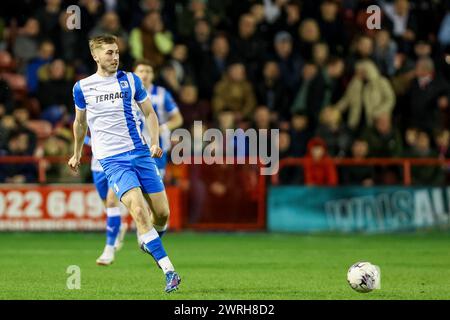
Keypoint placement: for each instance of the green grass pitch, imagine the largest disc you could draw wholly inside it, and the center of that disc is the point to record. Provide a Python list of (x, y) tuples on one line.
[(226, 266)]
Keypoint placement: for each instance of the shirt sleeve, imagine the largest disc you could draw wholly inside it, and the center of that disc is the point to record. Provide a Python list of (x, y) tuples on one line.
[(141, 94), (87, 140), (78, 97), (169, 103)]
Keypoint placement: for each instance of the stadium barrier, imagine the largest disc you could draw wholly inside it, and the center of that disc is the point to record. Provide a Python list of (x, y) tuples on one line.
[(356, 208), (194, 204)]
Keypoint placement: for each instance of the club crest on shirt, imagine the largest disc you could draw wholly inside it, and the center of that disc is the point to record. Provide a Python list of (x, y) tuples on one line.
[(124, 84)]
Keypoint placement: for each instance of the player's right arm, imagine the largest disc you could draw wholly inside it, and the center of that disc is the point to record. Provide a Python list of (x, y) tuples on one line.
[(79, 131), (79, 126)]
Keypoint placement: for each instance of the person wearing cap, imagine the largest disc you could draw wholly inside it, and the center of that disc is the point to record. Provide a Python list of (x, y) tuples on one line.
[(289, 63)]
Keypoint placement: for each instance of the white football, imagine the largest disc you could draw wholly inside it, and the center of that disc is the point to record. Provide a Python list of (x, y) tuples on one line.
[(364, 277)]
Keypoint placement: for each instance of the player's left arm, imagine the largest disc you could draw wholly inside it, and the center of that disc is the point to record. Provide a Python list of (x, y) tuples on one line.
[(151, 121), (175, 119)]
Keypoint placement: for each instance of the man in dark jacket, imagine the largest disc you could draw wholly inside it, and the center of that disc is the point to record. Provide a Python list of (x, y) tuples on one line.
[(427, 96)]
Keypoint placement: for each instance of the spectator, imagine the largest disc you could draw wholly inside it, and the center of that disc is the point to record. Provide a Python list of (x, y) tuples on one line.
[(309, 33), (410, 139), (18, 145), (320, 54), (140, 10), (368, 94), (109, 24), (427, 96), (91, 11), (45, 55), (214, 66), (21, 117), (248, 46), (151, 41), (384, 53), (384, 140), (402, 22), (26, 44), (289, 62), (333, 132), (425, 175), (71, 48), (179, 60), (442, 141), (226, 120), (200, 44), (59, 144), (197, 9), (168, 79), (291, 174), (48, 18), (362, 48), (422, 49), (444, 31), (300, 134), (55, 86), (359, 175), (8, 124), (319, 168), (190, 107), (6, 98), (270, 90), (319, 91), (331, 26), (290, 18), (234, 92)]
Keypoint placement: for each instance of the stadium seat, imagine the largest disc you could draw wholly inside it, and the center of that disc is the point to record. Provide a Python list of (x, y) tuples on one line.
[(42, 128)]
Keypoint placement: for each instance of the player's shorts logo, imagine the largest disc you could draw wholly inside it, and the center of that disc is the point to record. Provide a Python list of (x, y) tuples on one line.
[(124, 84), (116, 188)]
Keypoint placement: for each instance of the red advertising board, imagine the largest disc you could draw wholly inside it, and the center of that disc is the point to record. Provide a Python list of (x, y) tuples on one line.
[(62, 207)]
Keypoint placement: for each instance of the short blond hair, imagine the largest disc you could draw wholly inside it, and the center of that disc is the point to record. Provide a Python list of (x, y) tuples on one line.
[(98, 41)]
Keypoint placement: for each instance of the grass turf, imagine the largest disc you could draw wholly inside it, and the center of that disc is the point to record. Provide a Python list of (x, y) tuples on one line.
[(226, 266)]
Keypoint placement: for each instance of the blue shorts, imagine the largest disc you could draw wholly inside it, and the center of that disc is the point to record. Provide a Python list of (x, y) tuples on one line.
[(132, 169), (161, 163), (101, 183)]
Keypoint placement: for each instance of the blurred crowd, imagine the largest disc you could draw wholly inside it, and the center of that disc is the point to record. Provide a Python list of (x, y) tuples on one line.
[(312, 69)]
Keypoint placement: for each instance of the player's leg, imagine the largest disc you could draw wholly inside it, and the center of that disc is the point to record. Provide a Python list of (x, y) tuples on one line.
[(159, 206), (123, 177), (152, 184), (148, 236), (112, 218), (157, 201), (115, 228)]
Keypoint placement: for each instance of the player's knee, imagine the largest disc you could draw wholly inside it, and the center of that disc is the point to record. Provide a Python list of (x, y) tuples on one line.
[(163, 212), (139, 214), (111, 200)]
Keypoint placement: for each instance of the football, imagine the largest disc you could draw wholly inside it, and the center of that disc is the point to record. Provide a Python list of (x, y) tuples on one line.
[(364, 277)]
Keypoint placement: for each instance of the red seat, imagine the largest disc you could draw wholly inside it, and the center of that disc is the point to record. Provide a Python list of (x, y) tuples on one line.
[(42, 128)]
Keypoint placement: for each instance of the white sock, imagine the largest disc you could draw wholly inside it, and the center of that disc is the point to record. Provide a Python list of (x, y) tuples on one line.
[(149, 236), (166, 265), (113, 212)]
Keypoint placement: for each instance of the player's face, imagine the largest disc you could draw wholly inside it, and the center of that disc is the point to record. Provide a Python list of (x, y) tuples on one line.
[(107, 57), (145, 73)]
